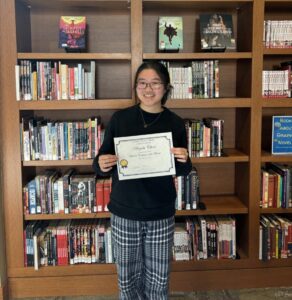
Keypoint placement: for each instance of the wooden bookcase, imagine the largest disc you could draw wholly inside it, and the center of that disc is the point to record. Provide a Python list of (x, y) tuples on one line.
[(122, 34)]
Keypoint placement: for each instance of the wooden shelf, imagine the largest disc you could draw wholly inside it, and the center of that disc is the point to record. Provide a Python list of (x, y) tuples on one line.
[(57, 163), (106, 269), (198, 55), (209, 103), (101, 215), (277, 51), (105, 4), (230, 156), (276, 210), (268, 157), (75, 104), (279, 102), (217, 205), (75, 56), (211, 5)]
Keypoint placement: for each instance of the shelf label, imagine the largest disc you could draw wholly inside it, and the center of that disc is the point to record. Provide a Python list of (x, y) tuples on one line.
[(282, 135)]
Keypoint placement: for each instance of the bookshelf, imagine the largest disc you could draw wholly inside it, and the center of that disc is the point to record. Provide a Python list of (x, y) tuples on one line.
[(121, 35)]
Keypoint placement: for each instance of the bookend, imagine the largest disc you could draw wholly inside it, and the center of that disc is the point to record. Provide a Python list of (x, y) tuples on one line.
[(202, 206)]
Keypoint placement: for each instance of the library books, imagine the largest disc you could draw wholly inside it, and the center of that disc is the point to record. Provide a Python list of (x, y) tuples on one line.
[(198, 79), (276, 186), (188, 191), (72, 32), (54, 80), (205, 137), (216, 32), (52, 193), (64, 242), (170, 33), (275, 237), (205, 237), (276, 83), (277, 34), (53, 140)]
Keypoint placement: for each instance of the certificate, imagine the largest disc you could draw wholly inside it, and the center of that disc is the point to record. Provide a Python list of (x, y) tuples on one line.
[(143, 156)]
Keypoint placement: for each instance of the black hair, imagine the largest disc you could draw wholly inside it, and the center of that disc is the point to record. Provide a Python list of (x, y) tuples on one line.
[(163, 74)]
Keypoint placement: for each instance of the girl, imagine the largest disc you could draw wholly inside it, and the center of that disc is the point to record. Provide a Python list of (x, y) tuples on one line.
[(142, 210)]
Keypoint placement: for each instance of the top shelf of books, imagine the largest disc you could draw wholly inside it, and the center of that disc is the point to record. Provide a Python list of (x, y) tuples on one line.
[(40, 24)]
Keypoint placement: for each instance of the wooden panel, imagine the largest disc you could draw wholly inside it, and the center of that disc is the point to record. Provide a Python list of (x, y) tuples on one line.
[(216, 179), (179, 281), (75, 105), (63, 286), (4, 292), (108, 31), (228, 115), (229, 155), (217, 205), (10, 134), (79, 56), (230, 279), (268, 157), (209, 103), (198, 55), (255, 129)]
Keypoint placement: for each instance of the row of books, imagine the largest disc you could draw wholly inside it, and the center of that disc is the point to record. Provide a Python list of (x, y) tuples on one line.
[(277, 34), (52, 80), (64, 242), (49, 140), (199, 80), (276, 84), (188, 191), (205, 137), (52, 193), (275, 237), (276, 186), (205, 237)]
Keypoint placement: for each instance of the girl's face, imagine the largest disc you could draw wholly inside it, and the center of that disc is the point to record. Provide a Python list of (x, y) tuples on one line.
[(150, 90)]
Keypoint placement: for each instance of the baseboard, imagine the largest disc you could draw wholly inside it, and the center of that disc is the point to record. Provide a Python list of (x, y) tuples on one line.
[(4, 292)]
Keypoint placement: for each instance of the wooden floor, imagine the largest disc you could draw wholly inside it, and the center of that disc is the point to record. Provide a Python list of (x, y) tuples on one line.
[(284, 293)]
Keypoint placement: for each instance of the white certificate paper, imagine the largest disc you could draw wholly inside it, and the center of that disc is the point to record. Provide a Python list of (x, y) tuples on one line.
[(143, 156)]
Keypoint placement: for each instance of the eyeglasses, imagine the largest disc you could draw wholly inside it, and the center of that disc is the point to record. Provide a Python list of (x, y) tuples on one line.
[(155, 85)]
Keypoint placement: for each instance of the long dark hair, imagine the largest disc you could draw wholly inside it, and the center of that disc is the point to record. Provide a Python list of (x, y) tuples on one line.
[(163, 74)]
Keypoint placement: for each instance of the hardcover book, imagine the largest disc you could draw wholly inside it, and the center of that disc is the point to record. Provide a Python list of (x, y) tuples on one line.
[(170, 33), (217, 32), (72, 32)]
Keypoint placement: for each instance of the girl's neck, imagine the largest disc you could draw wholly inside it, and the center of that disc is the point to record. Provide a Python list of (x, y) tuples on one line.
[(151, 109)]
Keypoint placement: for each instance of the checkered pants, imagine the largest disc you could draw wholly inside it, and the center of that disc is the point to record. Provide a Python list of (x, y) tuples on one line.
[(143, 252)]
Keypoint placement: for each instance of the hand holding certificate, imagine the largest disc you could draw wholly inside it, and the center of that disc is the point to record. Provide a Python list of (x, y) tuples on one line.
[(144, 156)]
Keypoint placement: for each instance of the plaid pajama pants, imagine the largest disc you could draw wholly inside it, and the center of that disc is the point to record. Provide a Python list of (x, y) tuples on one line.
[(142, 251)]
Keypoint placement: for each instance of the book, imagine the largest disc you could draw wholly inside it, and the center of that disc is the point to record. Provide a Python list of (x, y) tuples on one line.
[(170, 33), (72, 32), (216, 32), (281, 135)]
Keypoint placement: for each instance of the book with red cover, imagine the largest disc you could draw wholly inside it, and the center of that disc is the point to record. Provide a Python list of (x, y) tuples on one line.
[(72, 31)]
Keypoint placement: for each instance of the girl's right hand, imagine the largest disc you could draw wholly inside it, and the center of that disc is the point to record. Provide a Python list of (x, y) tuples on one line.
[(107, 161)]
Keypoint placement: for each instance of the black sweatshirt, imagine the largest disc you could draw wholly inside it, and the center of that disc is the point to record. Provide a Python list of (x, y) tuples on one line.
[(147, 198)]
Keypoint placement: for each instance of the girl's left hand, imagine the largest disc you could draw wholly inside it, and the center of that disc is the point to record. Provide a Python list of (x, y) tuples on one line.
[(181, 154)]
